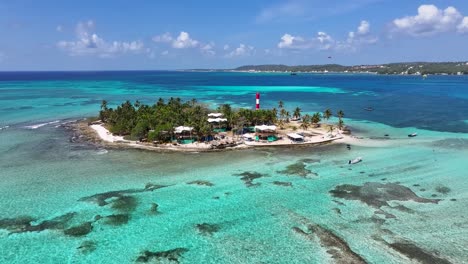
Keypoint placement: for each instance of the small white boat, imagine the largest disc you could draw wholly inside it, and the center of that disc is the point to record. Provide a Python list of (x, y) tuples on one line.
[(354, 161), (413, 135)]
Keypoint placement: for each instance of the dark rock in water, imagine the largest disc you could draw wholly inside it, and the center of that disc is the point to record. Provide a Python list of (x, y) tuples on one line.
[(298, 169), (16, 225), (403, 208), (442, 189), (97, 217), (337, 210), (102, 199), (249, 176), (338, 202), (387, 215), (79, 230), (216, 197), (125, 204), (310, 160), (414, 252), (24, 223), (280, 183), (116, 219), (169, 255), (87, 247), (339, 250), (201, 183), (378, 194), (383, 179), (434, 195), (422, 190), (453, 199), (154, 208), (416, 185), (362, 172), (207, 229), (451, 143)]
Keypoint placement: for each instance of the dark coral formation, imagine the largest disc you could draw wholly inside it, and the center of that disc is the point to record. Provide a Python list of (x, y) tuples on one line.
[(336, 247), (103, 199), (79, 230), (116, 219), (310, 160), (169, 255), (298, 168), (451, 143), (87, 247), (249, 176), (201, 183), (24, 223), (207, 229), (378, 194), (154, 208), (280, 183), (125, 204), (442, 189), (414, 252)]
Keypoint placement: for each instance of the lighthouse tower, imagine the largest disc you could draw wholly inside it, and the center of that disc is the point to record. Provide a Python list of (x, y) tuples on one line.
[(257, 101)]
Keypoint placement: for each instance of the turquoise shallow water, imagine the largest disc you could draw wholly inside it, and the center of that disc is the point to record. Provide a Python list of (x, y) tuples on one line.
[(228, 217)]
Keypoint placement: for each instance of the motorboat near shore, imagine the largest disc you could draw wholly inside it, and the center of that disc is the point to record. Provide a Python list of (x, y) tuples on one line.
[(413, 135), (354, 161)]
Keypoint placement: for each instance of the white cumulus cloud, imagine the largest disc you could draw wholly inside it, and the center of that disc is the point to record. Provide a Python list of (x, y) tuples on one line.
[(166, 37), (364, 28), (326, 42), (463, 26), (430, 20), (184, 41), (89, 43), (242, 50), (208, 49), (289, 41)]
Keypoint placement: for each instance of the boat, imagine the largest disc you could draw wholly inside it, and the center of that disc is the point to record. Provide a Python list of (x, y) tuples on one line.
[(293, 73), (369, 108), (354, 161), (413, 135)]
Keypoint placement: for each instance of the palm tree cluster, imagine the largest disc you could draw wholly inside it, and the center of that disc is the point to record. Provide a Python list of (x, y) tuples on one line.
[(157, 121), (340, 114)]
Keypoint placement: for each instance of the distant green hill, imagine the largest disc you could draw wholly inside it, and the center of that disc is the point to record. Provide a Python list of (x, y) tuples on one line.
[(417, 68)]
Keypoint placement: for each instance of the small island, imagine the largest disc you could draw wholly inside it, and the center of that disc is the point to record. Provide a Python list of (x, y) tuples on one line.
[(193, 126)]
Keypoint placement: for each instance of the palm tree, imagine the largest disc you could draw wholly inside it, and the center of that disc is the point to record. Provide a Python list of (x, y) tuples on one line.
[(340, 114), (288, 115), (327, 114), (297, 113), (283, 113), (316, 119), (340, 119), (280, 104), (304, 125), (340, 124)]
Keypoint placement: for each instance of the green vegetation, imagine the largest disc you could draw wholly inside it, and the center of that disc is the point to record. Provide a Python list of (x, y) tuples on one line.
[(417, 68), (157, 122)]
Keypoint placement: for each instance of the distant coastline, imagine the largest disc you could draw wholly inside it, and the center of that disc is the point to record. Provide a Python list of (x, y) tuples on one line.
[(404, 68)]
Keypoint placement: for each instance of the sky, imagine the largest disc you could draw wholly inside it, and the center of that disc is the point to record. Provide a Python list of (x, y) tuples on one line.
[(177, 34)]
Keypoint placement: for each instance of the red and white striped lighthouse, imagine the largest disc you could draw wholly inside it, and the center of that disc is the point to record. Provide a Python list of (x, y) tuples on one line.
[(257, 101)]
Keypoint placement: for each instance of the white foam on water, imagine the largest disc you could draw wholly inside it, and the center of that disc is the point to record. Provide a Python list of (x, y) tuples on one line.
[(36, 126)]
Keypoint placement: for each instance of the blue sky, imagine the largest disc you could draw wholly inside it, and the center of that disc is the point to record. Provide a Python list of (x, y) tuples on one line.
[(109, 35)]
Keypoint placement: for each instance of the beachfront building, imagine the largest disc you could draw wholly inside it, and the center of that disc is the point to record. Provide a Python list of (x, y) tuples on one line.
[(265, 132), (219, 124), (184, 134), (295, 138)]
